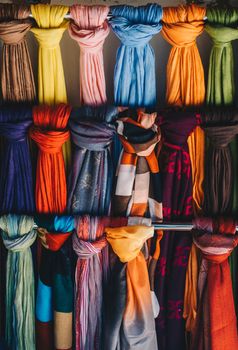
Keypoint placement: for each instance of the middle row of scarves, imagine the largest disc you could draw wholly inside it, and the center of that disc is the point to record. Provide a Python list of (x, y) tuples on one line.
[(55, 159), (135, 75)]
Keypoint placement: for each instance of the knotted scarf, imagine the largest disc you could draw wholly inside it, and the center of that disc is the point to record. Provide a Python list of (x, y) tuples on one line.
[(176, 175), (216, 320), (18, 235), (90, 28), (51, 26), (16, 185), (90, 180), (220, 126), (49, 132), (134, 76), (222, 28), (185, 77), (129, 319), (138, 183), (17, 79), (54, 303), (90, 245)]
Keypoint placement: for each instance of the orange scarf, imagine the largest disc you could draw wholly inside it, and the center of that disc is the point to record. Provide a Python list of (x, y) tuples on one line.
[(185, 77), (50, 134)]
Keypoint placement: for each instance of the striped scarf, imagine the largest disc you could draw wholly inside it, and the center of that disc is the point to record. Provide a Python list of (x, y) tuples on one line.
[(138, 184)]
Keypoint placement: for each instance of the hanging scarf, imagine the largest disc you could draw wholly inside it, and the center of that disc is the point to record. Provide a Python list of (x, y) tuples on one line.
[(49, 132), (222, 28), (138, 183), (129, 320), (177, 203), (90, 180), (54, 303), (90, 245), (216, 321), (134, 77), (89, 28), (16, 185), (17, 79), (221, 127), (51, 26), (18, 235), (185, 77)]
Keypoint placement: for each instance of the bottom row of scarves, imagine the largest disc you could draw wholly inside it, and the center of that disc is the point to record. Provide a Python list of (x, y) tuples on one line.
[(105, 295)]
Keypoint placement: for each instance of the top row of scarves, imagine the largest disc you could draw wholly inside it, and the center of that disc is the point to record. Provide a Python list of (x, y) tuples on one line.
[(135, 78)]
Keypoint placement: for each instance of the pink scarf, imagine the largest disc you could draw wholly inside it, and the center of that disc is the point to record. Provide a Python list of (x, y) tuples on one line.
[(90, 28)]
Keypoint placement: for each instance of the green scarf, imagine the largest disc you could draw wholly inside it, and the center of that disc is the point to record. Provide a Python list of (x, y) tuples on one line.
[(222, 27), (18, 235)]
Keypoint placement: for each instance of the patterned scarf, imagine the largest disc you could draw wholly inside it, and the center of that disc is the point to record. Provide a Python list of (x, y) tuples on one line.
[(90, 245), (216, 320), (54, 303), (138, 183), (129, 320), (90, 179), (177, 203), (18, 235), (50, 133)]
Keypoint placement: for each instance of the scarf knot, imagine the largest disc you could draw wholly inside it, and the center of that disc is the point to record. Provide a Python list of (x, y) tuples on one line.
[(135, 27), (92, 136), (85, 249), (49, 141), (15, 132), (49, 38), (13, 32), (20, 243), (89, 27)]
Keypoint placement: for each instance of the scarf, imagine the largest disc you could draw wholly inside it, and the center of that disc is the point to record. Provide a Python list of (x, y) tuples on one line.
[(18, 235), (129, 320), (89, 28), (185, 78), (138, 183), (221, 127), (49, 132), (16, 184), (175, 168), (54, 303), (134, 76), (17, 80), (90, 246), (51, 26), (216, 321), (222, 28), (90, 180)]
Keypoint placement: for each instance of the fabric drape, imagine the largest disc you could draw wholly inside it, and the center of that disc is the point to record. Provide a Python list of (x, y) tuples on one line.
[(90, 180), (220, 126), (129, 319), (185, 77), (54, 303), (50, 133), (90, 28), (51, 26), (17, 80), (16, 183), (90, 246), (175, 167), (18, 235), (138, 182), (134, 75), (222, 28), (216, 321)]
